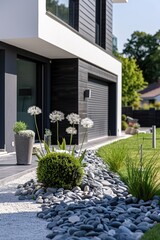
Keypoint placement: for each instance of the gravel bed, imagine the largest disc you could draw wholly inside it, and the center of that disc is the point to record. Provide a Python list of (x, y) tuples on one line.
[(18, 219), (100, 209)]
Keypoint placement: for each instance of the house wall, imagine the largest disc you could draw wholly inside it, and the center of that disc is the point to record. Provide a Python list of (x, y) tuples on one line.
[(9, 98), (87, 19), (64, 93), (69, 80), (8, 91), (86, 70), (109, 35), (18, 19), (87, 25), (43, 38)]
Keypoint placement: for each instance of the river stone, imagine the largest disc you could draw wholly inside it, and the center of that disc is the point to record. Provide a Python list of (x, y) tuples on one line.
[(86, 227), (79, 233), (154, 217), (21, 197), (74, 219), (133, 210), (51, 190), (39, 200)]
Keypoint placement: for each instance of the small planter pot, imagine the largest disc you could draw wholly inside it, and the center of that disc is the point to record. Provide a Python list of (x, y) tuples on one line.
[(24, 149)]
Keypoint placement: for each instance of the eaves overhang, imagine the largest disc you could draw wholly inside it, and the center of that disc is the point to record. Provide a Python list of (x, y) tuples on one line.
[(37, 32)]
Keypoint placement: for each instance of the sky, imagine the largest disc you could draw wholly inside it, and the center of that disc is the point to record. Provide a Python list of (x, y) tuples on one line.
[(136, 15)]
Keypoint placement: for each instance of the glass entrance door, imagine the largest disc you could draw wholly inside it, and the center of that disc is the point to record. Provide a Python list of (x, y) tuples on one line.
[(26, 90)]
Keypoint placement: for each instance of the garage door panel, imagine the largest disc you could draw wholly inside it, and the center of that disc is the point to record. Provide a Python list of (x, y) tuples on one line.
[(98, 109)]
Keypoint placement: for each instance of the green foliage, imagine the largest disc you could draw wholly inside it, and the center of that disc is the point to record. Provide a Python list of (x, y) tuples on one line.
[(145, 49), (62, 146), (132, 81), (60, 10), (39, 153), (157, 105), (19, 126), (59, 170), (143, 178), (136, 105), (124, 125), (145, 106), (114, 156), (152, 234), (124, 117)]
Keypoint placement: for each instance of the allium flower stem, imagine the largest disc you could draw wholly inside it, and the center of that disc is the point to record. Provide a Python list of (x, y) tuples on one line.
[(35, 120), (71, 137), (57, 132), (83, 142)]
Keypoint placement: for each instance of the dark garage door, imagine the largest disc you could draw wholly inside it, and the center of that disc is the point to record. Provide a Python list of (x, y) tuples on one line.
[(98, 109)]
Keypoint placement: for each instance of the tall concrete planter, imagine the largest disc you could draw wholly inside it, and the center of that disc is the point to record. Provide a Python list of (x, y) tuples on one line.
[(24, 141)]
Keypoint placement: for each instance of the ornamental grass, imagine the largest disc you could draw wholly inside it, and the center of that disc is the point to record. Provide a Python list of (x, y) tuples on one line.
[(143, 178)]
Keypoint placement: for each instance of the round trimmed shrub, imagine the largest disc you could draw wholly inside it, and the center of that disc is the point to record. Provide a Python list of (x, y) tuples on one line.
[(124, 125), (124, 117), (59, 170)]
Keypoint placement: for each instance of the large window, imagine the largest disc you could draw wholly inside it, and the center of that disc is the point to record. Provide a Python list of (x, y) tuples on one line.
[(29, 89), (66, 10), (100, 22)]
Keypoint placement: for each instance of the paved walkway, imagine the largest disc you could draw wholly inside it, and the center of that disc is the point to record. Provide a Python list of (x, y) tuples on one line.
[(9, 170)]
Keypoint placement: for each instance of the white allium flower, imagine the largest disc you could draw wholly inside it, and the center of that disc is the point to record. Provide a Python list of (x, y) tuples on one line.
[(27, 133), (56, 116), (87, 123), (71, 130), (34, 110), (73, 118)]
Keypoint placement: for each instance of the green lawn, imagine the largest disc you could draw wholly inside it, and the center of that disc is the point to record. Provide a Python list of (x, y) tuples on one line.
[(133, 145)]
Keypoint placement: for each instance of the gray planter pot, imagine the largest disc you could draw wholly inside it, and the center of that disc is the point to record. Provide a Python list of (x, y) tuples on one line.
[(24, 149)]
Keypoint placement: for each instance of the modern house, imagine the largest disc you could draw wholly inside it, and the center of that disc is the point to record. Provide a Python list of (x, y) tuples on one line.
[(51, 53), (151, 94)]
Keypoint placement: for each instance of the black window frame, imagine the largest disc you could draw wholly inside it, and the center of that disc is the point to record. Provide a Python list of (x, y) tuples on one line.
[(100, 37), (73, 13)]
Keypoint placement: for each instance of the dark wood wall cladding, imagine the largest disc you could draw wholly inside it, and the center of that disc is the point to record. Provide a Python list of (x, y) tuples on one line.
[(87, 70), (64, 93), (87, 25), (109, 26), (87, 19)]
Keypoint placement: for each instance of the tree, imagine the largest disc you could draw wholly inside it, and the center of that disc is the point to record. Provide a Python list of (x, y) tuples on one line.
[(145, 48), (132, 81)]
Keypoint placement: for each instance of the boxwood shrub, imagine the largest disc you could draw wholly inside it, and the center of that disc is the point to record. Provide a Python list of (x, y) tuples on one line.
[(59, 170), (124, 125)]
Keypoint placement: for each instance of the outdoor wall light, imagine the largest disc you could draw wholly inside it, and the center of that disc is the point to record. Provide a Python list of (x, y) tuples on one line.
[(87, 93)]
